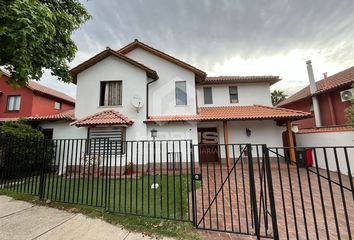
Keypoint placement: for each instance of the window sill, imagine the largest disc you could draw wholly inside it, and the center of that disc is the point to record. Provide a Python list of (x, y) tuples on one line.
[(12, 111)]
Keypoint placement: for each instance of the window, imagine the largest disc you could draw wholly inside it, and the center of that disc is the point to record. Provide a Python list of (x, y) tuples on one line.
[(111, 93), (13, 103), (208, 95), (181, 93), (57, 105), (103, 137), (233, 94)]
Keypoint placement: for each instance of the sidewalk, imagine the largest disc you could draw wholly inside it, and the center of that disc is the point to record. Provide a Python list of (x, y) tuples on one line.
[(21, 220)]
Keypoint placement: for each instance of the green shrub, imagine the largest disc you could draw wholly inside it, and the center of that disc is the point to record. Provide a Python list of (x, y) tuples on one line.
[(23, 151)]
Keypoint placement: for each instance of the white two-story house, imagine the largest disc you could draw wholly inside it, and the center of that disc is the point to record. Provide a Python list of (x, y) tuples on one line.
[(125, 94)]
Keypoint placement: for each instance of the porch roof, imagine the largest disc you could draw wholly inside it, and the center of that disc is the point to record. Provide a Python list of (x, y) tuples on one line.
[(254, 112), (107, 117), (68, 115)]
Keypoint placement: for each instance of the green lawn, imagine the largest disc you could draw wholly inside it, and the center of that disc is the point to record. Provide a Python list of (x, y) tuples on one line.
[(133, 196)]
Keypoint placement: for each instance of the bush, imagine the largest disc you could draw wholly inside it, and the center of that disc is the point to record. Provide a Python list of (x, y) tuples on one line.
[(23, 150)]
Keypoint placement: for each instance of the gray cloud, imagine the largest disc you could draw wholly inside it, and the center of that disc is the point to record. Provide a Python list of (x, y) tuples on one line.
[(207, 32)]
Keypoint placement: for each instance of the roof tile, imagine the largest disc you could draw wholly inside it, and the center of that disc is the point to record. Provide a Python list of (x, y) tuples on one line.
[(107, 117), (255, 112), (68, 115), (240, 79), (343, 78)]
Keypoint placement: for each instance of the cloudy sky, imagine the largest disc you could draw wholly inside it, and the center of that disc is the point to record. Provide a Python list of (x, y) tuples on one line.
[(231, 37)]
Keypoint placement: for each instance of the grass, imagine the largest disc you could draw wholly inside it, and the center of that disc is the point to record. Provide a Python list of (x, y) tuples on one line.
[(126, 195), (103, 199)]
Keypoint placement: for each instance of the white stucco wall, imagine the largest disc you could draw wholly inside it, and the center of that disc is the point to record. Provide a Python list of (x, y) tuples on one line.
[(162, 100), (248, 94), (63, 130), (262, 132), (330, 139), (134, 82)]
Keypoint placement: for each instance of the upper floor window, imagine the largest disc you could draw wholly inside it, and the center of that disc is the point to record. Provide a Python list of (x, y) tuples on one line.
[(57, 105), (111, 93), (208, 95), (233, 94), (181, 93), (13, 103)]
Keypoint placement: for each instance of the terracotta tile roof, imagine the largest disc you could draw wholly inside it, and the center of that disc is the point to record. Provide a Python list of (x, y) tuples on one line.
[(200, 75), (240, 79), (344, 78), (107, 117), (106, 53), (36, 87), (255, 112), (68, 115), (326, 129)]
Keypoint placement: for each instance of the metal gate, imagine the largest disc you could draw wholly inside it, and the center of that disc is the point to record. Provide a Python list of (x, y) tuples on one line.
[(232, 195)]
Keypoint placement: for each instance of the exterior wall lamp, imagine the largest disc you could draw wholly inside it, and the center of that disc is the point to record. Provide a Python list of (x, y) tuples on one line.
[(248, 132), (153, 134)]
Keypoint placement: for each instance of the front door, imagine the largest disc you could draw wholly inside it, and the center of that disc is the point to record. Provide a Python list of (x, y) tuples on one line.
[(208, 144)]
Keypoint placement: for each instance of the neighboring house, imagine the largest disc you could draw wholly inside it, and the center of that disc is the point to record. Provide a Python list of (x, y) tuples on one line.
[(30, 101), (125, 94), (332, 95)]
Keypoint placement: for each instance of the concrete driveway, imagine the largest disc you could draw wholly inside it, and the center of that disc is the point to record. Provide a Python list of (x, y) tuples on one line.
[(22, 220)]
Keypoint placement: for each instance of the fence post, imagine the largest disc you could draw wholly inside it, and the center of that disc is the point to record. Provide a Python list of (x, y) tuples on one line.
[(43, 146), (253, 190), (192, 183), (270, 191)]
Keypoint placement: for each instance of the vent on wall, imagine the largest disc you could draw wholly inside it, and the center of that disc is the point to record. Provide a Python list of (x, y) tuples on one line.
[(346, 95)]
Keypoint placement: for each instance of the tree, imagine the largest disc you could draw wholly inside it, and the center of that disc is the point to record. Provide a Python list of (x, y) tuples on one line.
[(24, 150), (278, 96), (36, 35), (350, 112)]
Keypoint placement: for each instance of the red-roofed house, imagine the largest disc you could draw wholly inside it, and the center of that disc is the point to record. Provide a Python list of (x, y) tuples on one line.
[(31, 101), (332, 95)]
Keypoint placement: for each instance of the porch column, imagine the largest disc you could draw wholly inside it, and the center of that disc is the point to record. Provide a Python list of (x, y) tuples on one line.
[(226, 141), (290, 142)]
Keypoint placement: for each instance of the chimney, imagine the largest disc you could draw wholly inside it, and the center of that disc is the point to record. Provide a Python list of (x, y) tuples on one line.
[(313, 90)]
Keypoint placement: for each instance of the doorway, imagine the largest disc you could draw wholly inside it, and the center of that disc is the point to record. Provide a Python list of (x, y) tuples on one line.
[(208, 144)]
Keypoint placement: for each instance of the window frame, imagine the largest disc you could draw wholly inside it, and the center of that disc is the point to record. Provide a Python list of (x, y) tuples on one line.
[(8, 101), (233, 94), (93, 150), (211, 95), (185, 92), (60, 105), (103, 93)]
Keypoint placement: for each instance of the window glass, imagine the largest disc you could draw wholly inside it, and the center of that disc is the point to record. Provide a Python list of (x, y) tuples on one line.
[(111, 93), (208, 95), (233, 94), (57, 105), (13, 103), (181, 93)]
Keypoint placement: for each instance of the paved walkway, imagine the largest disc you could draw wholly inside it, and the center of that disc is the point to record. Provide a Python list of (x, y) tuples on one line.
[(22, 220)]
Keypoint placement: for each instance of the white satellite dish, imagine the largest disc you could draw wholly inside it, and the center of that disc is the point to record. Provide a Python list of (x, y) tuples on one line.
[(137, 102)]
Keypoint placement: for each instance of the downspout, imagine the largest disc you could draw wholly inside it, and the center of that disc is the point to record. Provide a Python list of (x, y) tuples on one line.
[(313, 90), (147, 98)]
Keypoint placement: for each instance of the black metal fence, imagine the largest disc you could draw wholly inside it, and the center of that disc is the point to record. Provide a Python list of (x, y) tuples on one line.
[(314, 197), (147, 178), (234, 194), (250, 189)]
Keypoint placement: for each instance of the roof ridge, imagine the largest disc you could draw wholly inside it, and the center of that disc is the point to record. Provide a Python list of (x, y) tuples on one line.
[(108, 51), (136, 41)]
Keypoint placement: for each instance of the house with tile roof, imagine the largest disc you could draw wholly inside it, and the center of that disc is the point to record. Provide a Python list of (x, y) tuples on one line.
[(138, 90), (332, 94), (32, 101)]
